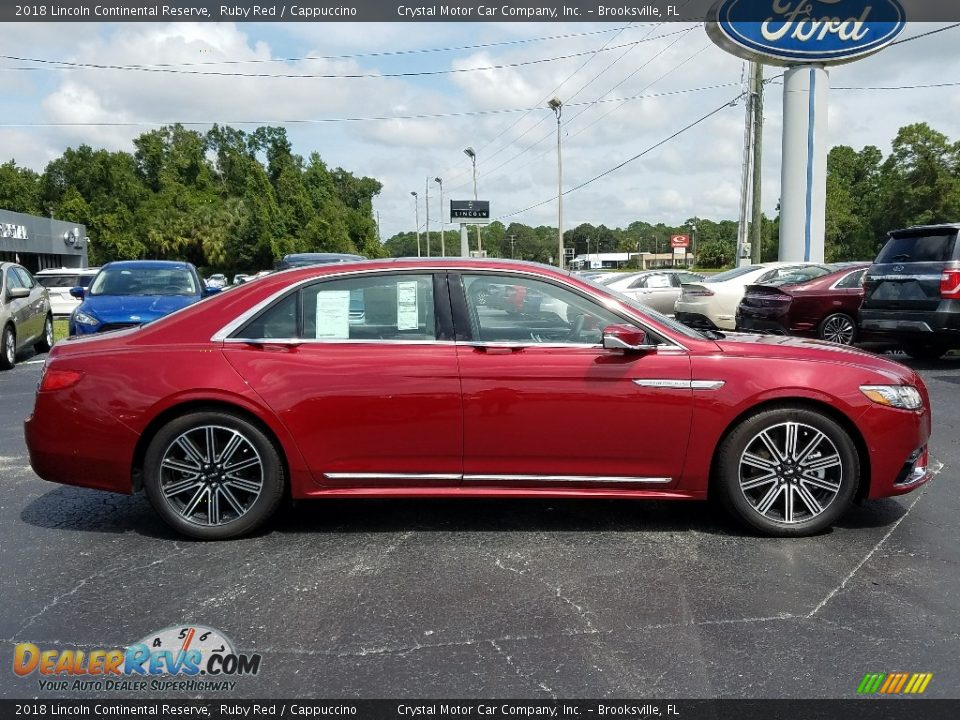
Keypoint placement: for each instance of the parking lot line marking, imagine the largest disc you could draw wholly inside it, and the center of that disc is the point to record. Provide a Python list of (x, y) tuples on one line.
[(869, 555), (34, 362)]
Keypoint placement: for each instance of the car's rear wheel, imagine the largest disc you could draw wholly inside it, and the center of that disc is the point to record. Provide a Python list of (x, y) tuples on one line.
[(927, 351), (46, 340), (8, 348), (213, 475), (838, 328), (788, 472)]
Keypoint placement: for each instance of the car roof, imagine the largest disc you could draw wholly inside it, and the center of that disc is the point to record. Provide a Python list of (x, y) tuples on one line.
[(68, 271), (149, 264)]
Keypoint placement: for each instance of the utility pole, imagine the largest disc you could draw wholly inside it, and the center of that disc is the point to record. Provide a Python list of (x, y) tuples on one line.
[(379, 239), (443, 221), (427, 200), (416, 215), (557, 106), (756, 214), (742, 236), (513, 255)]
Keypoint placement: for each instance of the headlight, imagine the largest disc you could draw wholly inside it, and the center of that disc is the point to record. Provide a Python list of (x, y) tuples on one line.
[(84, 319), (905, 397)]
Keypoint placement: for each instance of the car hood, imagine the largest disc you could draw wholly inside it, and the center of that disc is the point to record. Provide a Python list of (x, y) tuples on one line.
[(134, 308), (795, 348)]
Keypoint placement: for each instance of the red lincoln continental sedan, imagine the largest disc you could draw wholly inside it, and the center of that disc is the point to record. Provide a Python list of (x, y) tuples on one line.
[(387, 378)]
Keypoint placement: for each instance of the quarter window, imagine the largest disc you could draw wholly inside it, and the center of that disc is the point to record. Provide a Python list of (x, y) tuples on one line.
[(853, 280), (524, 310)]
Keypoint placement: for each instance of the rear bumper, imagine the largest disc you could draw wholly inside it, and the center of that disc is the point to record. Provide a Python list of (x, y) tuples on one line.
[(695, 320), (73, 446), (938, 326), (760, 325)]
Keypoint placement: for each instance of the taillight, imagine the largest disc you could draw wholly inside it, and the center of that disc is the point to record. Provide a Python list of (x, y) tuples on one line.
[(950, 284), (696, 291), (54, 379)]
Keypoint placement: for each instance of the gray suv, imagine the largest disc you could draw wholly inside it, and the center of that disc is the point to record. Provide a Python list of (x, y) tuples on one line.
[(912, 292), (25, 317)]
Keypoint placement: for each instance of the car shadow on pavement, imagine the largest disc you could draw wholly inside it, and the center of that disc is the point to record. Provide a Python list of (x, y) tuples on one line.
[(93, 511)]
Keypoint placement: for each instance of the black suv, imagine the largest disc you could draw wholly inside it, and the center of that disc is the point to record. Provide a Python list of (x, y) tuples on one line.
[(912, 292)]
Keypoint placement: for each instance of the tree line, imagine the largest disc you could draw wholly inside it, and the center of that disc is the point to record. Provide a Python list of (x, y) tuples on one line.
[(224, 199), (867, 195), (238, 201)]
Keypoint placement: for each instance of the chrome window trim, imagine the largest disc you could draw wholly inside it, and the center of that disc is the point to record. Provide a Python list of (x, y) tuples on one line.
[(672, 384), (222, 335), (331, 341)]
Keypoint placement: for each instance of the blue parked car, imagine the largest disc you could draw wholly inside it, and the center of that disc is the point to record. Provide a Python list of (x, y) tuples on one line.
[(133, 292)]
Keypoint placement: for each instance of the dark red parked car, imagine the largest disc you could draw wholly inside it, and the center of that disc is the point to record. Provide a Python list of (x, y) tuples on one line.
[(278, 388), (824, 307)]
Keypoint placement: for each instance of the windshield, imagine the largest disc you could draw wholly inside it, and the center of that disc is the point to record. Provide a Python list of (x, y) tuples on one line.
[(798, 275), (646, 310), (144, 281), (731, 274)]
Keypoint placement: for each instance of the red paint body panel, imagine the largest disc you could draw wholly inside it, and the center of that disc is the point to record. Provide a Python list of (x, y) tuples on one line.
[(449, 408)]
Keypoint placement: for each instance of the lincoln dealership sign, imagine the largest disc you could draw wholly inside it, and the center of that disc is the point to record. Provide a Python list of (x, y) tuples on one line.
[(790, 32)]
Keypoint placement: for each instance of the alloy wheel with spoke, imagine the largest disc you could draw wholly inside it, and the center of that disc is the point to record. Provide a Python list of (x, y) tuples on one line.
[(788, 471), (211, 475), (839, 329)]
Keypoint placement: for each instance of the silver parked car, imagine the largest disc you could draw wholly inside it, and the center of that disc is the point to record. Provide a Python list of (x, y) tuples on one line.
[(25, 317), (658, 289)]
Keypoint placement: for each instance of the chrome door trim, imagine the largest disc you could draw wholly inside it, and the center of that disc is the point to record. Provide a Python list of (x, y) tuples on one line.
[(393, 476), (564, 479), (671, 384), (611, 304)]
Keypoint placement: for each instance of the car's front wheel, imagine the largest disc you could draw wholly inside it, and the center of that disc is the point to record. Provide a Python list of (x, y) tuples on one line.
[(46, 340), (788, 472), (8, 348), (213, 475)]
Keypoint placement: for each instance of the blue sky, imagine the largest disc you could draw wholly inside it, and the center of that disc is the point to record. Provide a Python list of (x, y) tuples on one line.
[(695, 174)]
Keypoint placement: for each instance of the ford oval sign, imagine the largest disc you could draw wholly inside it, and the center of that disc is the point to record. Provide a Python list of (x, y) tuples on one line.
[(792, 32)]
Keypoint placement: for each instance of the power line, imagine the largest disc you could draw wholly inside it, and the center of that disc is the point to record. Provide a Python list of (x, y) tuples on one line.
[(317, 121), (62, 65), (629, 160)]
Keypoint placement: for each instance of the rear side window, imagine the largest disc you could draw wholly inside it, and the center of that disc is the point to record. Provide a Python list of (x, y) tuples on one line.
[(59, 281), (853, 280), (932, 247)]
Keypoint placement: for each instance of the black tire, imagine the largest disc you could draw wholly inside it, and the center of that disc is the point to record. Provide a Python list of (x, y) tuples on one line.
[(925, 352), (838, 328), (213, 479), (8, 348), (46, 340), (796, 491)]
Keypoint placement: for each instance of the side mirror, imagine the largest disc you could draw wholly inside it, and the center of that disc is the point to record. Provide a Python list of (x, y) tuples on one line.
[(18, 292), (210, 291), (627, 338), (77, 292)]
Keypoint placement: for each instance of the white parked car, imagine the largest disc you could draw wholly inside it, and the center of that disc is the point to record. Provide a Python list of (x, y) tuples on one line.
[(712, 303), (658, 289), (218, 280), (58, 282)]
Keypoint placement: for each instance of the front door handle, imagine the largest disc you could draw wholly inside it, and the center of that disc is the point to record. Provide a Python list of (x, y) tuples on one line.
[(499, 349)]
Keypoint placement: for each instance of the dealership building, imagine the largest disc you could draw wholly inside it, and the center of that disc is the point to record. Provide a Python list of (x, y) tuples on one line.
[(38, 243)]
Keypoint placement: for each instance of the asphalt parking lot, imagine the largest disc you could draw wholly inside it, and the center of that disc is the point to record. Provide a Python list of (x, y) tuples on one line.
[(511, 599)]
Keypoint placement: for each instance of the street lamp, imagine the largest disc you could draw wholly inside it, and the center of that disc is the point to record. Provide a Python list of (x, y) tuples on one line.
[(443, 220), (557, 106), (472, 154), (416, 211), (426, 184)]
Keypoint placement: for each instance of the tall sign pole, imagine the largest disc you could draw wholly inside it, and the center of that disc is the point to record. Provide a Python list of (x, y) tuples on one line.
[(756, 213), (806, 37)]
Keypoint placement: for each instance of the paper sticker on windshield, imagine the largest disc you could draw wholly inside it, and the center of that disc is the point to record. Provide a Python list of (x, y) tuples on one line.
[(333, 314), (408, 315)]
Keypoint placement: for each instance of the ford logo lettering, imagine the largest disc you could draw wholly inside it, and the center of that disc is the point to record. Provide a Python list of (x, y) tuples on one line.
[(791, 32)]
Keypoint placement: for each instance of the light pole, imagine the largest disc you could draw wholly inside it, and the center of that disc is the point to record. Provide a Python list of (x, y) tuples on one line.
[(472, 154), (588, 254), (426, 184), (513, 255), (693, 245), (443, 220), (557, 106), (416, 215)]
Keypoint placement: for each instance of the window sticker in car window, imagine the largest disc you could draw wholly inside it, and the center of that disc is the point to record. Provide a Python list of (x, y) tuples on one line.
[(658, 281), (333, 315), (408, 315)]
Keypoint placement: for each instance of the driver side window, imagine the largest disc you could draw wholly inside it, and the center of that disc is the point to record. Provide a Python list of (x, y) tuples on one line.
[(507, 309)]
